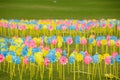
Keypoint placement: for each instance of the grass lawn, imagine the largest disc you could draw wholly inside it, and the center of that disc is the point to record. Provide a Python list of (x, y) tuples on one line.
[(92, 74), (60, 9)]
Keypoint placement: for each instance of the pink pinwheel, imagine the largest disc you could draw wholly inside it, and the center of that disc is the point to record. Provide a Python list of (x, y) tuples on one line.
[(27, 38), (98, 43), (59, 50), (69, 41), (114, 54), (63, 60), (25, 60), (5, 25), (26, 43), (88, 28), (83, 41), (36, 27), (87, 60), (75, 51), (12, 26), (110, 25), (46, 61), (108, 37), (42, 42), (103, 25), (107, 60), (93, 24), (54, 41), (77, 27), (1, 24), (50, 28), (1, 58), (117, 43), (87, 54), (47, 48), (15, 37), (83, 26), (118, 27), (41, 46), (32, 44), (19, 27), (57, 22), (64, 27), (22, 27), (108, 43), (68, 23)]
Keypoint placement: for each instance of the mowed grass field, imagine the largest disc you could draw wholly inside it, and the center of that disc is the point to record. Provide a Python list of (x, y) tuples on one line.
[(59, 9)]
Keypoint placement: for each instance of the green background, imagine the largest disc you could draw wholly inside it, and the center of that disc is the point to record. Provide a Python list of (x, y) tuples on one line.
[(62, 9)]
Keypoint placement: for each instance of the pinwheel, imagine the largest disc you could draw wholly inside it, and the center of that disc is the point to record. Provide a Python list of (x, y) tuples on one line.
[(71, 59), (39, 58), (25, 60), (117, 43), (79, 57), (46, 61), (64, 53), (83, 41), (87, 59), (107, 60), (95, 58), (63, 60), (114, 54), (24, 51), (69, 40), (16, 60), (1, 58), (118, 58), (77, 39), (31, 59)]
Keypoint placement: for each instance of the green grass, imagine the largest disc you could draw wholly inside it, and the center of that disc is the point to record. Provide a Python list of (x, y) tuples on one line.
[(62, 9), (68, 76)]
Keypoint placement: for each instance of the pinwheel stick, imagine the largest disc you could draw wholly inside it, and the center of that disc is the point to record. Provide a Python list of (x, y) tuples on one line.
[(59, 71), (68, 55), (78, 67), (37, 72), (4, 65), (93, 71), (21, 71), (83, 61), (74, 70), (11, 71), (0, 66), (41, 72), (99, 71), (106, 70), (63, 73), (51, 72), (57, 66), (117, 70), (8, 67), (88, 74)]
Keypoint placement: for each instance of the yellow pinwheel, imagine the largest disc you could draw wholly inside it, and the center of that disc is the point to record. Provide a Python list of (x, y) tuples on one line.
[(79, 57)]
